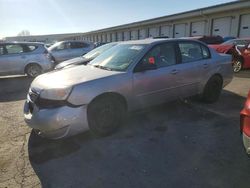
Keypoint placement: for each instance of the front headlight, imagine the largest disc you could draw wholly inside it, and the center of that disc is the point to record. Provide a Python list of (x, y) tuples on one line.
[(56, 94)]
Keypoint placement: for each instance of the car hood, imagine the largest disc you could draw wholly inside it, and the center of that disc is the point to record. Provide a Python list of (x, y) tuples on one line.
[(222, 48), (74, 61), (70, 77)]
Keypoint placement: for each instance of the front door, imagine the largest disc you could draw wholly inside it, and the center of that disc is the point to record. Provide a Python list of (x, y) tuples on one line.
[(156, 86)]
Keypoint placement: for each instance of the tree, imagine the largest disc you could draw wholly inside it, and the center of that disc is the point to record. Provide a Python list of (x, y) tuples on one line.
[(24, 33)]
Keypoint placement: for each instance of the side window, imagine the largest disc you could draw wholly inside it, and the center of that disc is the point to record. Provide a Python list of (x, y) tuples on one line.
[(2, 51), (63, 46), (32, 47), (205, 52), (190, 51), (162, 55), (75, 45), (14, 48)]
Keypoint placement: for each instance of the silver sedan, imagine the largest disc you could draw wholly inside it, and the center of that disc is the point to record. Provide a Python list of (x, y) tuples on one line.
[(129, 76)]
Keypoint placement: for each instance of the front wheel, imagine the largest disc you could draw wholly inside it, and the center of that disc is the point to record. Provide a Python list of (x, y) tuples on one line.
[(212, 90), (105, 114)]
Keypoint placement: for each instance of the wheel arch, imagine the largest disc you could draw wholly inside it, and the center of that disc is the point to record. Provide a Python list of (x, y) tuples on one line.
[(31, 63), (113, 95)]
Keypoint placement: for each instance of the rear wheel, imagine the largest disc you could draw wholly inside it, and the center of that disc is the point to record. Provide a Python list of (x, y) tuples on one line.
[(212, 90), (237, 65), (33, 70), (105, 114)]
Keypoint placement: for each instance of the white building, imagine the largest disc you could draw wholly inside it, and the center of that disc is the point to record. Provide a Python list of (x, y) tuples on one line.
[(229, 19)]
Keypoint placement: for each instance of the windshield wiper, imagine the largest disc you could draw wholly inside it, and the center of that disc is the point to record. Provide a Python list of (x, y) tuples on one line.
[(102, 67)]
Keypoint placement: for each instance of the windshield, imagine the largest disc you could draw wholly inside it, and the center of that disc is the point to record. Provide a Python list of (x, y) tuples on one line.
[(118, 58), (96, 52)]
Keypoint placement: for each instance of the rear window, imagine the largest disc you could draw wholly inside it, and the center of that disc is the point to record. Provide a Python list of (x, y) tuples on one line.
[(191, 51), (32, 47), (74, 45), (14, 48)]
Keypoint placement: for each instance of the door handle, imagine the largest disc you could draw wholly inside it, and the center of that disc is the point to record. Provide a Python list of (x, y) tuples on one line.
[(174, 71), (205, 65)]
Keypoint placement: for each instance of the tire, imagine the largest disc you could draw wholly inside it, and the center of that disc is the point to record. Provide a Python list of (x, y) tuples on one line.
[(105, 114), (33, 70), (237, 65), (212, 90)]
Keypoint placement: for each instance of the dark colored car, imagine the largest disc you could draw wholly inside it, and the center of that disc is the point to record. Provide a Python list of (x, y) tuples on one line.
[(209, 39), (245, 124)]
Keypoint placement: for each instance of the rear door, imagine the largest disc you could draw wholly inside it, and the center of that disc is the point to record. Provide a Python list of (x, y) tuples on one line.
[(155, 86), (12, 59), (195, 64)]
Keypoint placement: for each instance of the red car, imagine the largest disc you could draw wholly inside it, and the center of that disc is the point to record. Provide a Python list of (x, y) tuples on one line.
[(240, 50), (245, 124)]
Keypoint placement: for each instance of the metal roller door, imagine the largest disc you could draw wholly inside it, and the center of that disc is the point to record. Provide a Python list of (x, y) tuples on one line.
[(113, 37), (165, 31), (134, 34), (119, 36), (153, 32), (198, 28), (179, 30), (222, 26), (103, 38), (245, 26), (108, 37), (126, 35), (142, 33), (99, 38)]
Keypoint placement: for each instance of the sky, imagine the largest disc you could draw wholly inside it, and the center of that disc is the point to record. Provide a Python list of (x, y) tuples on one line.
[(70, 16)]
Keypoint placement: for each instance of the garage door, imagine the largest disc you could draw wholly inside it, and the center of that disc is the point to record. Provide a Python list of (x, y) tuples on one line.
[(179, 30), (153, 32), (134, 34), (222, 26), (99, 38), (113, 37), (198, 28), (245, 26), (96, 38), (126, 35), (165, 31), (119, 36), (103, 38), (142, 33), (108, 37)]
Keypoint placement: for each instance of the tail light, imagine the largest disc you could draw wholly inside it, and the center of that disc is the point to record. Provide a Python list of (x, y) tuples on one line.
[(47, 54), (245, 124), (245, 118)]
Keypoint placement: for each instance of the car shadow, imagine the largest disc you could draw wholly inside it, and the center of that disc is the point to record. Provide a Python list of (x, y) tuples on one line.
[(154, 148), (243, 74), (14, 88)]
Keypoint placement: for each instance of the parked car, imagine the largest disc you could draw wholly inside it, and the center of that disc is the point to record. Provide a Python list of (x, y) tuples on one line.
[(129, 76), (64, 50), (240, 51), (245, 124), (24, 58), (87, 57), (208, 39)]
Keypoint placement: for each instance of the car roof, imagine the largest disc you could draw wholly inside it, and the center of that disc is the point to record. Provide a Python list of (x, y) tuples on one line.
[(158, 40)]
